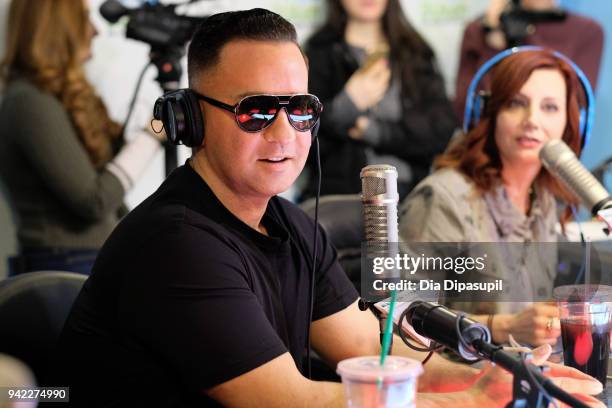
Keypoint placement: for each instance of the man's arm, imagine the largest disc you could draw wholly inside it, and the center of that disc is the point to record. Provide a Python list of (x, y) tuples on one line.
[(277, 383), (352, 332)]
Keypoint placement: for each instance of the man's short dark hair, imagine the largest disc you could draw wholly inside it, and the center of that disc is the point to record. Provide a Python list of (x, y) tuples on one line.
[(219, 29)]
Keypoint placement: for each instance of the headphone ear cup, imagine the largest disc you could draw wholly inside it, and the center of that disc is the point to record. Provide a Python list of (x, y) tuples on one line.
[(582, 125), (181, 115), (479, 107), (476, 111), (160, 112), (194, 126)]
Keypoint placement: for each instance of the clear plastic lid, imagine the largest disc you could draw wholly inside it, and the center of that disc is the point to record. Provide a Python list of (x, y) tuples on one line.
[(583, 293), (369, 369)]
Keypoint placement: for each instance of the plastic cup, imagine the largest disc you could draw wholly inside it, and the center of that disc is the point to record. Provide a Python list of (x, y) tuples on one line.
[(367, 384), (586, 320)]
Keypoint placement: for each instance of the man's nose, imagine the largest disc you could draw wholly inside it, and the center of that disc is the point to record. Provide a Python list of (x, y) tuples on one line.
[(280, 131)]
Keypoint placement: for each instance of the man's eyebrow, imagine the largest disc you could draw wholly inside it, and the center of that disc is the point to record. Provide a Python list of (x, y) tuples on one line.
[(245, 94)]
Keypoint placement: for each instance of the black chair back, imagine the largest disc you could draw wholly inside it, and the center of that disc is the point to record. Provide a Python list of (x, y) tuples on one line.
[(341, 216), (33, 309)]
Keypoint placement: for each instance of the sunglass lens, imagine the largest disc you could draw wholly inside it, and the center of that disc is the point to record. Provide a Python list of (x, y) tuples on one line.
[(256, 112), (303, 111)]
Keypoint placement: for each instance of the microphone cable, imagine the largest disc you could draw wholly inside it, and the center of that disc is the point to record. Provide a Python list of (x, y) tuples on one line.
[(534, 381), (134, 96), (314, 256), (407, 339), (584, 248), (522, 356)]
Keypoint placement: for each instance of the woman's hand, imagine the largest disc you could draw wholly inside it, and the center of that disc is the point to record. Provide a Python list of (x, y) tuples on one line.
[(495, 38), (357, 131), (366, 87), (493, 12), (536, 325)]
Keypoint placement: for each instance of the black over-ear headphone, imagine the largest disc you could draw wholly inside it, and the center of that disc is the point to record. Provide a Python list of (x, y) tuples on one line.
[(181, 115)]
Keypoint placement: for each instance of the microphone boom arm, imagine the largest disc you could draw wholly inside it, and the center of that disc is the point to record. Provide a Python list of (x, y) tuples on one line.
[(526, 373), (471, 340)]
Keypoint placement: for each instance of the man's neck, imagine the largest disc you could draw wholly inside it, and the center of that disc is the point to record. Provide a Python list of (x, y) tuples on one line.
[(364, 34), (248, 210)]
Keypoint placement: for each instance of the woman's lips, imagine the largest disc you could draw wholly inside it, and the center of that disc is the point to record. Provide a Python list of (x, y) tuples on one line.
[(528, 142)]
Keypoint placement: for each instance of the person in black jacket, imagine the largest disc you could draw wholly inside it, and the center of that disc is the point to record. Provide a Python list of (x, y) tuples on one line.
[(384, 97)]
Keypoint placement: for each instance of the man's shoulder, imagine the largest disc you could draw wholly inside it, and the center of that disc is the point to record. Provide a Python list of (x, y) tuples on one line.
[(181, 211), (292, 215)]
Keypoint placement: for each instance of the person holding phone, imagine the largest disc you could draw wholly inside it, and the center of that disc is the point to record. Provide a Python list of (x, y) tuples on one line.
[(384, 98)]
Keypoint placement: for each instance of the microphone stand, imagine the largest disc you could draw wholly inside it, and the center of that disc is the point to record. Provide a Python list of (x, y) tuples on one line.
[(529, 387), (168, 63), (382, 321), (467, 337)]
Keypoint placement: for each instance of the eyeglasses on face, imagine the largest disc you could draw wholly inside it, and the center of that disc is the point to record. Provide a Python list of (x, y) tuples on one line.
[(254, 113)]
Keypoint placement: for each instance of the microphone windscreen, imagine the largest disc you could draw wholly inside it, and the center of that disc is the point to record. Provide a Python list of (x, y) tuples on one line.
[(563, 164), (380, 198)]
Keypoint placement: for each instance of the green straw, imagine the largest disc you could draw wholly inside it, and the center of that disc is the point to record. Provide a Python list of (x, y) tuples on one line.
[(388, 330)]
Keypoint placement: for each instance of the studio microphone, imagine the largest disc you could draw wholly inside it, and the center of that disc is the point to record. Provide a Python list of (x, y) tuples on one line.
[(379, 198), (562, 163), (446, 327)]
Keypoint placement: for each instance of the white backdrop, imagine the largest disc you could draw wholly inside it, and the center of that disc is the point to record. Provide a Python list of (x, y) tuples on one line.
[(118, 61)]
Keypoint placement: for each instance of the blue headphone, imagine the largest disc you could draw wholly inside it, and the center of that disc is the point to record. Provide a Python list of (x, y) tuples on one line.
[(474, 103)]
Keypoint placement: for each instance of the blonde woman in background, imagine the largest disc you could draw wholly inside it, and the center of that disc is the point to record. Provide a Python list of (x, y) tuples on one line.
[(65, 162)]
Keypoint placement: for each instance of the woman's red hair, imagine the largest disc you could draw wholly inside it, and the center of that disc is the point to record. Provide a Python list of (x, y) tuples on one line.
[(476, 154)]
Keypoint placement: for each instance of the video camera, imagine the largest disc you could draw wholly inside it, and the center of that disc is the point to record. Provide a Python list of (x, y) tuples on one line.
[(167, 33), (159, 26), (517, 22)]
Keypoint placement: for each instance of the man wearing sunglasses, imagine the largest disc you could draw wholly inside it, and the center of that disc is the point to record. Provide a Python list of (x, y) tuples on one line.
[(201, 296)]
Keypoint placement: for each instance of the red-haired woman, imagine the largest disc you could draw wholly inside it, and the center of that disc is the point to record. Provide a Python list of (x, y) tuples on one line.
[(63, 159), (490, 186)]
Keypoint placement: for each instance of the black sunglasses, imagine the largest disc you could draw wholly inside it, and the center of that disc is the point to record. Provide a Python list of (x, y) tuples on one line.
[(254, 113)]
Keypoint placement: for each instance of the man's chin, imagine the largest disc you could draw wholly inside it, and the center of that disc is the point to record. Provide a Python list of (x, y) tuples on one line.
[(280, 188)]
